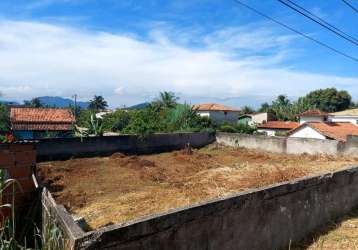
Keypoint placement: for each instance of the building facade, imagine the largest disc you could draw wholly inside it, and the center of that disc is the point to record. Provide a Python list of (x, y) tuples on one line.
[(36, 123), (218, 113)]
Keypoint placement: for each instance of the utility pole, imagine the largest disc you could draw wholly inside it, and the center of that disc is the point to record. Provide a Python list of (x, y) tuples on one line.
[(75, 112)]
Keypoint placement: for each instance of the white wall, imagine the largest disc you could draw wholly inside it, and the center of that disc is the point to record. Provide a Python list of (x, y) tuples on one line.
[(307, 132), (203, 113), (304, 119), (268, 132), (259, 118), (352, 119), (221, 116)]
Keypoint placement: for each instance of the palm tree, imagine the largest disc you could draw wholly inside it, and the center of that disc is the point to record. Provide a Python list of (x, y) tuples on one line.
[(168, 99), (98, 103), (247, 110), (34, 103)]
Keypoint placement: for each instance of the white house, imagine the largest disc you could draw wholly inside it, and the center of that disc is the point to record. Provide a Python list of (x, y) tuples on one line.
[(325, 130), (102, 113), (349, 115), (262, 117), (275, 128), (313, 115), (218, 112)]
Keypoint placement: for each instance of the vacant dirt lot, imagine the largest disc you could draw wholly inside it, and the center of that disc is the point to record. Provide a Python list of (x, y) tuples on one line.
[(107, 190)]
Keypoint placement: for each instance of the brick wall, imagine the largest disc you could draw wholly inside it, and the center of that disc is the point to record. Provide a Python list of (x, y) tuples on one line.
[(19, 161)]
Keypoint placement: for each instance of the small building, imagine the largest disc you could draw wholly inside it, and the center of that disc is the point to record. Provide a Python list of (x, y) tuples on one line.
[(325, 130), (262, 117), (35, 123), (256, 118), (245, 119), (276, 128), (313, 115), (102, 113), (217, 112), (349, 115)]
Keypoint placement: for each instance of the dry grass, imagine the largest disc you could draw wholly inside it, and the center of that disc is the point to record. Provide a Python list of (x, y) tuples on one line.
[(106, 190), (342, 234)]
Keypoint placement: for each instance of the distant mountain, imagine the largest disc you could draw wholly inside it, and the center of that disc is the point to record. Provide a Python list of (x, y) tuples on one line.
[(9, 102), (60, 102), (139, 106)]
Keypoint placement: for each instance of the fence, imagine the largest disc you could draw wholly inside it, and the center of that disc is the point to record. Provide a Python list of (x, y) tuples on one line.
[(65, 148), (290, 145)]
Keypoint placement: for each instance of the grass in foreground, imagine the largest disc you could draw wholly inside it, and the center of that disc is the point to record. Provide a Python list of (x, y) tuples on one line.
[(341, 234)]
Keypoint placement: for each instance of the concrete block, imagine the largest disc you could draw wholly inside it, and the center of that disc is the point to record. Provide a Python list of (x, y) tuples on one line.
[(25, 157), (20, 171), (7, 159), (21, 147)]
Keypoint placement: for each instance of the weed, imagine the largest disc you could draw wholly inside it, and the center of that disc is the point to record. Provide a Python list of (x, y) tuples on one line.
[(50, 239)]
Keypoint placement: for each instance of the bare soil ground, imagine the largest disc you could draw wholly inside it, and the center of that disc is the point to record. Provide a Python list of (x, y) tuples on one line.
[(115, 189)]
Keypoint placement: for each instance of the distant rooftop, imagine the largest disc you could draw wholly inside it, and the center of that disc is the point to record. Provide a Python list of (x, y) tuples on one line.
[(23, 118), (213, 107), (279, 125), (334, 130), (313, 112), (347, 112)]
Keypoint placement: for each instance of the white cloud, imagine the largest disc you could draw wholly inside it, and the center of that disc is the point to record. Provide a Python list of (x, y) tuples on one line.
[(60, 60), (119, 91)]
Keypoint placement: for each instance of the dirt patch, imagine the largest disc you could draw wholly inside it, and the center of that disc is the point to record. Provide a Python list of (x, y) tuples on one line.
[(119, 188)]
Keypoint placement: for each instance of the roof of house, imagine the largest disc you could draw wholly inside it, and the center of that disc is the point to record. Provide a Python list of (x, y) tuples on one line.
[(23, 118), (333, 130), (213, 107), (347, 112), (245, 116), (279, 125), (313, 112)]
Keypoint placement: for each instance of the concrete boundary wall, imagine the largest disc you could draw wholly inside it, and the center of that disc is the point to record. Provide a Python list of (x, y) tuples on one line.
[(267, 218), (290, 145), (18, 161), (312, 146), (54, 214), (268, 143), (65, 148)]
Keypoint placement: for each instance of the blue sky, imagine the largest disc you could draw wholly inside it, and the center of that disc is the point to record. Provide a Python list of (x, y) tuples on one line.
[(203, 50)]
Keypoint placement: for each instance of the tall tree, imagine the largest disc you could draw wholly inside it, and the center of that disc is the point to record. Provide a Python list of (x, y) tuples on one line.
[(329, 100), (34, 103), (247, 110), (286, 110), (4, 118), (265, 107), (98, 103), (168, 99)]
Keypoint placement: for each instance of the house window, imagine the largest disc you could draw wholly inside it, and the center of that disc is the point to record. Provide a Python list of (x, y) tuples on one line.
[(225, 112)]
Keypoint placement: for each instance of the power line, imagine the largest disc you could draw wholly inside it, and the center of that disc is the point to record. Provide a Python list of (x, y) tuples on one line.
[(350, 5), (296, 31), (318, 20)]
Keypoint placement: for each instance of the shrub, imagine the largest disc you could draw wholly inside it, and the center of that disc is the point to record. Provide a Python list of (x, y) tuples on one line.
[(245, 129), (228, 128), (116, 121)]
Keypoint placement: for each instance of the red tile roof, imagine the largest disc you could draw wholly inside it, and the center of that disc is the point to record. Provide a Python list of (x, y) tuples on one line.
[(213, 107), (279, 125), (42, 126), (333, 130), (41, 118), (313, 112)]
